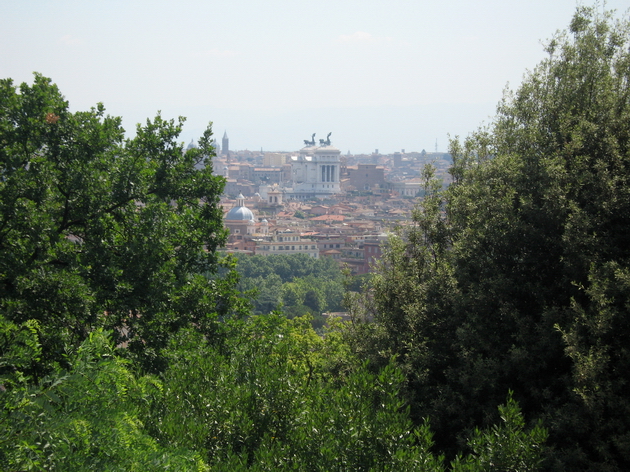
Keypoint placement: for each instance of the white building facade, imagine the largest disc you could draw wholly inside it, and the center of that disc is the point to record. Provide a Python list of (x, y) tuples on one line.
[(315, 173), (286, 242)]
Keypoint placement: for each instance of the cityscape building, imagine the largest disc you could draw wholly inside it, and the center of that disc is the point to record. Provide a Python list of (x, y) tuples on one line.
[(225, 145), (320, 203), (315, 172)]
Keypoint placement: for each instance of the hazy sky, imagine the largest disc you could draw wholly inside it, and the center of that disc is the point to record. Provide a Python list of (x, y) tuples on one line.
[(385, 75)]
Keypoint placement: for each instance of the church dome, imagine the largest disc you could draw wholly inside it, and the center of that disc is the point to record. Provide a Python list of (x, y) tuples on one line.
[(240, 213)]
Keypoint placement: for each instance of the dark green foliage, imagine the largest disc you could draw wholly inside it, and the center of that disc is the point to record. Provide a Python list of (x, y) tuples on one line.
[(109, 242), (516, 277), (312, 300), (505, 447), (357, 282), (293, 283), (96, 230), (267, 399), (288, 267), (263, 396)]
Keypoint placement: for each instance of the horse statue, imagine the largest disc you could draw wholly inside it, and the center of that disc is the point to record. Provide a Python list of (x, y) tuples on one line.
[(311, 142), (325, 142)]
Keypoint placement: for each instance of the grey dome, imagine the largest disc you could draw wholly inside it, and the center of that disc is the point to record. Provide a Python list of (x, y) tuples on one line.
[(240, 213)]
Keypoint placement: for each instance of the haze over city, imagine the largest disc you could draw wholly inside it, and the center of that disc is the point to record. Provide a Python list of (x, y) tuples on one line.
[(378, 75)]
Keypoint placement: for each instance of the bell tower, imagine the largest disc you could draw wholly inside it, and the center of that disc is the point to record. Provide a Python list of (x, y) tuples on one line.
[(225, 145)]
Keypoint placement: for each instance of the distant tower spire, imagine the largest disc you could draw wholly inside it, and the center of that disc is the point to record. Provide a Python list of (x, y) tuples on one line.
[(225, 145), (436, 145)]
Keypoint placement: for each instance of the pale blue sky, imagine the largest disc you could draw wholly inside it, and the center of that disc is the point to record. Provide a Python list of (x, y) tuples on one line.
[(385, 75)]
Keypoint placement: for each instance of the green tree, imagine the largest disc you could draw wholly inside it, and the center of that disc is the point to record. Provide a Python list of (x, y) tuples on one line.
[(313, 300), (268, 397), (546, 241), (516, 277), (289, 278), (292, 294), (333, 292), (99, 230), (272, 397), (288, 267), (505, 446), (85, 418)]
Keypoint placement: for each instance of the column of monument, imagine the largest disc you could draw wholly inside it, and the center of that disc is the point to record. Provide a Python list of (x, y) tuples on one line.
[(328, 173)]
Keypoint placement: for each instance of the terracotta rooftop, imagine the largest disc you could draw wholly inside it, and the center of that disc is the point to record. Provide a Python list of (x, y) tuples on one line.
[(328, 218)]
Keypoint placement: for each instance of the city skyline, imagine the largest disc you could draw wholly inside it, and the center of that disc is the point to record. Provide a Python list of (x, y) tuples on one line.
[(378, 75)]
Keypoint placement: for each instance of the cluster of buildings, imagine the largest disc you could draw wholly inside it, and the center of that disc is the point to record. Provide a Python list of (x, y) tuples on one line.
[(301, 228), (318, 202)]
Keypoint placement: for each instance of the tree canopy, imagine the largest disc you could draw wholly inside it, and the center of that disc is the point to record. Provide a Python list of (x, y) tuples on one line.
[(118, 350), (516, 278), (501, 315), (298, 283), (101, 231)]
